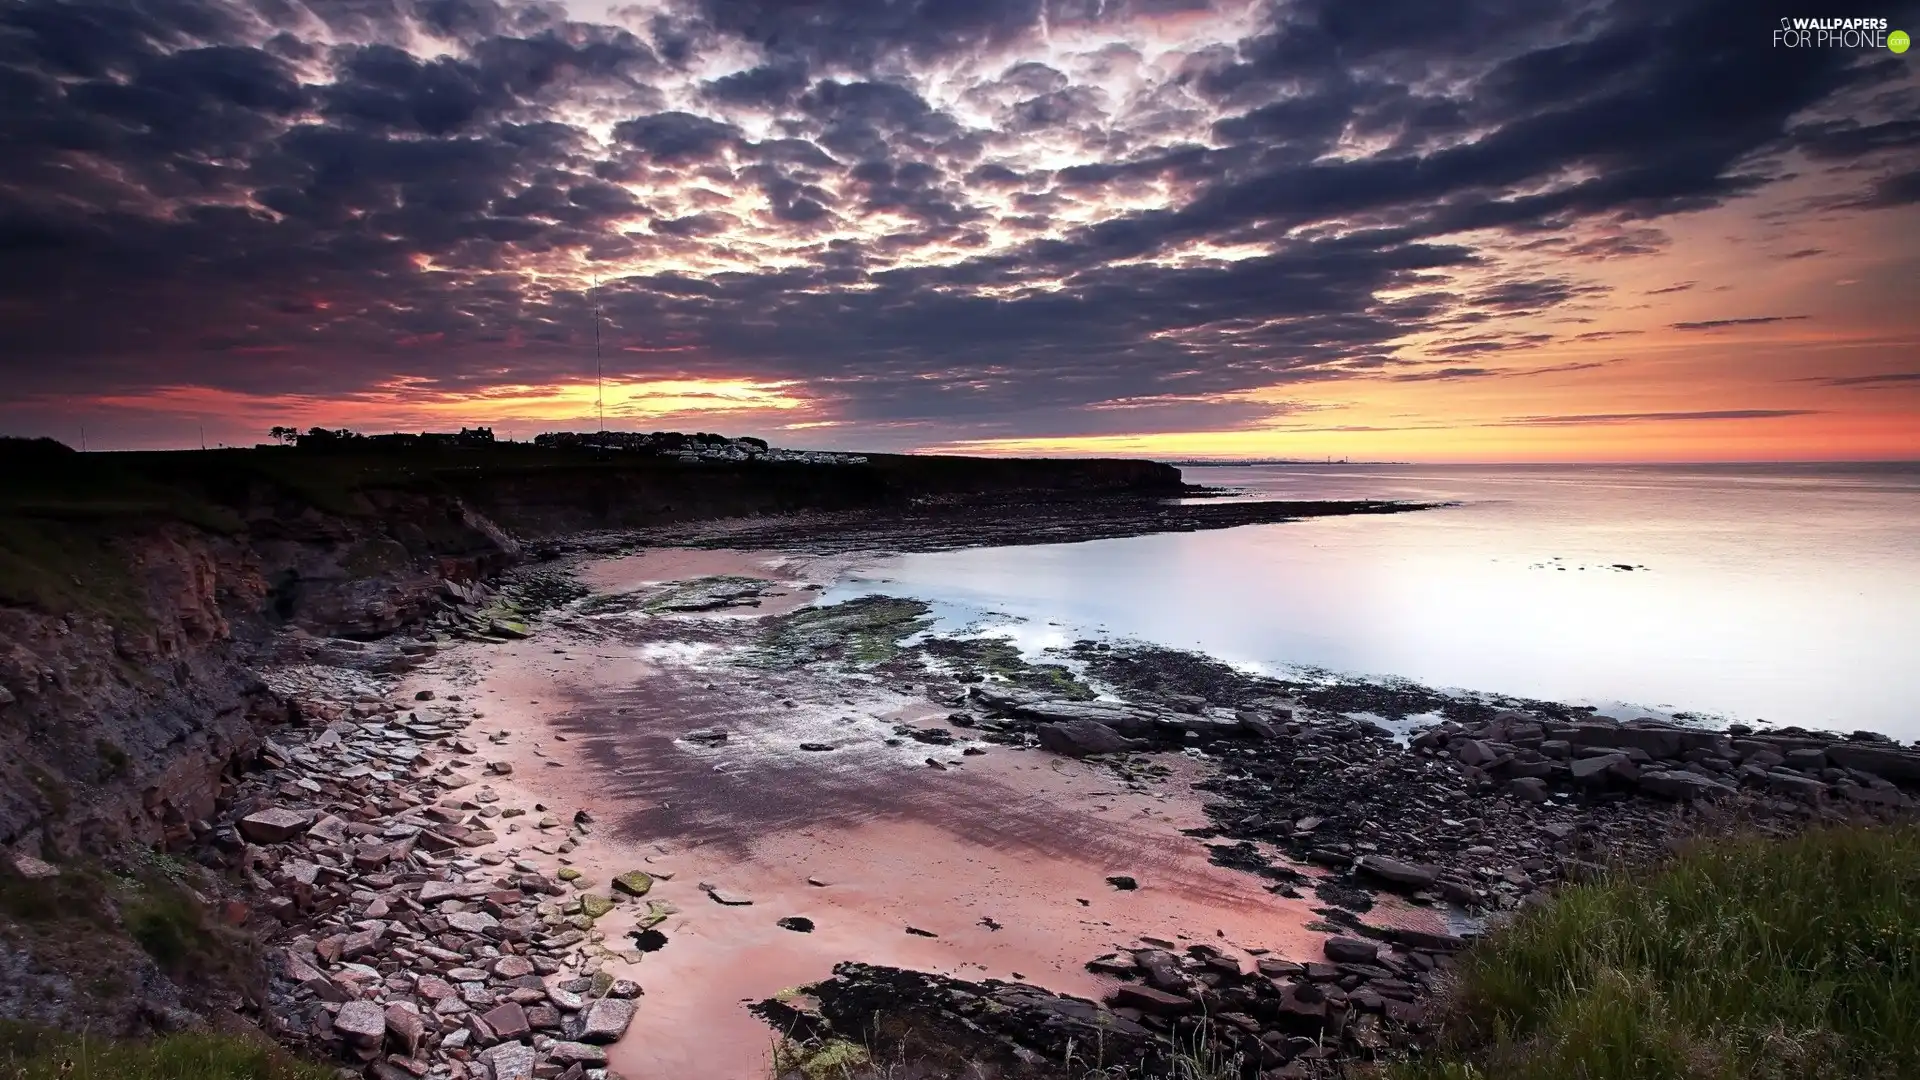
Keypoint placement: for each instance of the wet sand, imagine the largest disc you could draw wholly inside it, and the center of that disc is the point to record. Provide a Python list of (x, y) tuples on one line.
[(1004, 856)]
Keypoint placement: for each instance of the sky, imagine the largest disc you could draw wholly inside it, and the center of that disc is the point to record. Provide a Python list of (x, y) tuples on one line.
[(1472, 230)]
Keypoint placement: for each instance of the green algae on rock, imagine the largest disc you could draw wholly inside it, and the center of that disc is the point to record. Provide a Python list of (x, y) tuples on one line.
[(633, 883), (868, 630)]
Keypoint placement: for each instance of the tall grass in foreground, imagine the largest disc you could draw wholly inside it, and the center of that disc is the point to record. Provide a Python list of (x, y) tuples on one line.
[(1744, 957), (35, 1054)]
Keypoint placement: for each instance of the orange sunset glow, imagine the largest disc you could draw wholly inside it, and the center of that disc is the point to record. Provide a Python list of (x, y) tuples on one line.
[(1246, 229)]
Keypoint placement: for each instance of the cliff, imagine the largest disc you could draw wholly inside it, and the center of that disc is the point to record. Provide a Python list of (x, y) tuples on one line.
[(136, 589)]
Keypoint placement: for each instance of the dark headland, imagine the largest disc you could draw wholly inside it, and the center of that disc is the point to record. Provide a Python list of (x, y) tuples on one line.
[(247, 786)]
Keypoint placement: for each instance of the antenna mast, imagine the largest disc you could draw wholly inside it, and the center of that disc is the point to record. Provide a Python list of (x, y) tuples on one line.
[(599, 385)]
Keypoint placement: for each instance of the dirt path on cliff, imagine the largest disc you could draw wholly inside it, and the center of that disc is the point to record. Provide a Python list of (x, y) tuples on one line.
[(997, 860)]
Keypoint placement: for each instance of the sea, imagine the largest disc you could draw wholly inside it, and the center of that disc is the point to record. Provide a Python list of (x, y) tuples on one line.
[(1771, 594)]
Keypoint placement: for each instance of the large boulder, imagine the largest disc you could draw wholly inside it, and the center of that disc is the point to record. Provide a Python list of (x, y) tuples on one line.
[(1394, 872), (1899, 766), (1657, 740), (1680, 786), (1079, 738)]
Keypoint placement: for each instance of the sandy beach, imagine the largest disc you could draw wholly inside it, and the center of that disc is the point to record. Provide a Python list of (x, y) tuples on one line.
[(1000, 857)]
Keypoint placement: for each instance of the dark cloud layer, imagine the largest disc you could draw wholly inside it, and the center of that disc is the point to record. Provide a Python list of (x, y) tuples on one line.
[(896, 201)]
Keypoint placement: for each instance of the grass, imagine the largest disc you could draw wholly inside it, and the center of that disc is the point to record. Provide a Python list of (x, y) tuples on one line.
[(28, 1053), (1744, 957), (833, 1058), (63, 515), (71, 920)]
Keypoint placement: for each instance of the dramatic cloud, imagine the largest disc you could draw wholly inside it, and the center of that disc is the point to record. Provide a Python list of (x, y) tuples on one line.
[(1721, 324), (991, 217), (1640, 418), (1891, 378)]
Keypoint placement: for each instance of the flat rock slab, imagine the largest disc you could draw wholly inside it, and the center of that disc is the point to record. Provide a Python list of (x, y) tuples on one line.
[(510, 1061), (509, 1021), (1080, 738), (1394, 872), (633, 883), (433, 892), (568, 1053), (472, 922), (606, 1020), (362, 1023), (1343, 950), (1149, 1000), (275, 825)]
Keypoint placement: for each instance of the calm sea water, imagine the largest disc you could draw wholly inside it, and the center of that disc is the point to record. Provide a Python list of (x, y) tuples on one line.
[(1784, 594)]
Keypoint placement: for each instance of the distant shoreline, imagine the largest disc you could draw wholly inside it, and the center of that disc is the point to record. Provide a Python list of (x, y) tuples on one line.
[(1275, 461)]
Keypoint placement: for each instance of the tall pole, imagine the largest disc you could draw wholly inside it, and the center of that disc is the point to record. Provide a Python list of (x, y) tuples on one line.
[(599, 386)]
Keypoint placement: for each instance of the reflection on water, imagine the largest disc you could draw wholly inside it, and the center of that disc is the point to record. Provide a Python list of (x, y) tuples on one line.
[(1782, 593)]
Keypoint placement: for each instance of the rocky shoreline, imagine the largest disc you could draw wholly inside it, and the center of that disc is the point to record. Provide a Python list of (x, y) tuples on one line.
[(413, 930), (1475, 816), (947, 524), (426, 938), (426, 916)]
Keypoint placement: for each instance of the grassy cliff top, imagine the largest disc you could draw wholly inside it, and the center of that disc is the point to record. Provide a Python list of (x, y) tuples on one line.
[(62, 513)]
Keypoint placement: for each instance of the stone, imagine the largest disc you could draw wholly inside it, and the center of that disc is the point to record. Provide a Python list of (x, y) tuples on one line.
[(1902, 766), (1344, 950), (1807, 758), (360, 943), (1797, 786), (406, 1027), (1395, 872), (1680, 786), (606, 1020), (472, 922), (275, 825), (633, 883), (593, 905), (510, 1061), (361, 1023), (31, 868), (1149, 1000), (1594, 770), (562, 996), (1529, 788), (569, 1053), (1278, 969), (509, 1021), (434, 988), (1080, 738), (1476, 752), (433, 892), (723, 897), (512, 967)]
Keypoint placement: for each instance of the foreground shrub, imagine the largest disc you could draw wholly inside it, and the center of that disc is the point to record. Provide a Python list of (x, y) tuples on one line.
[(36, 1054), (1743, 958)]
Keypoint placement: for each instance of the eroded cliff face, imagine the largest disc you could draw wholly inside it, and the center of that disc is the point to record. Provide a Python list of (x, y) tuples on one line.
[(118, 727), (129, 705)]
